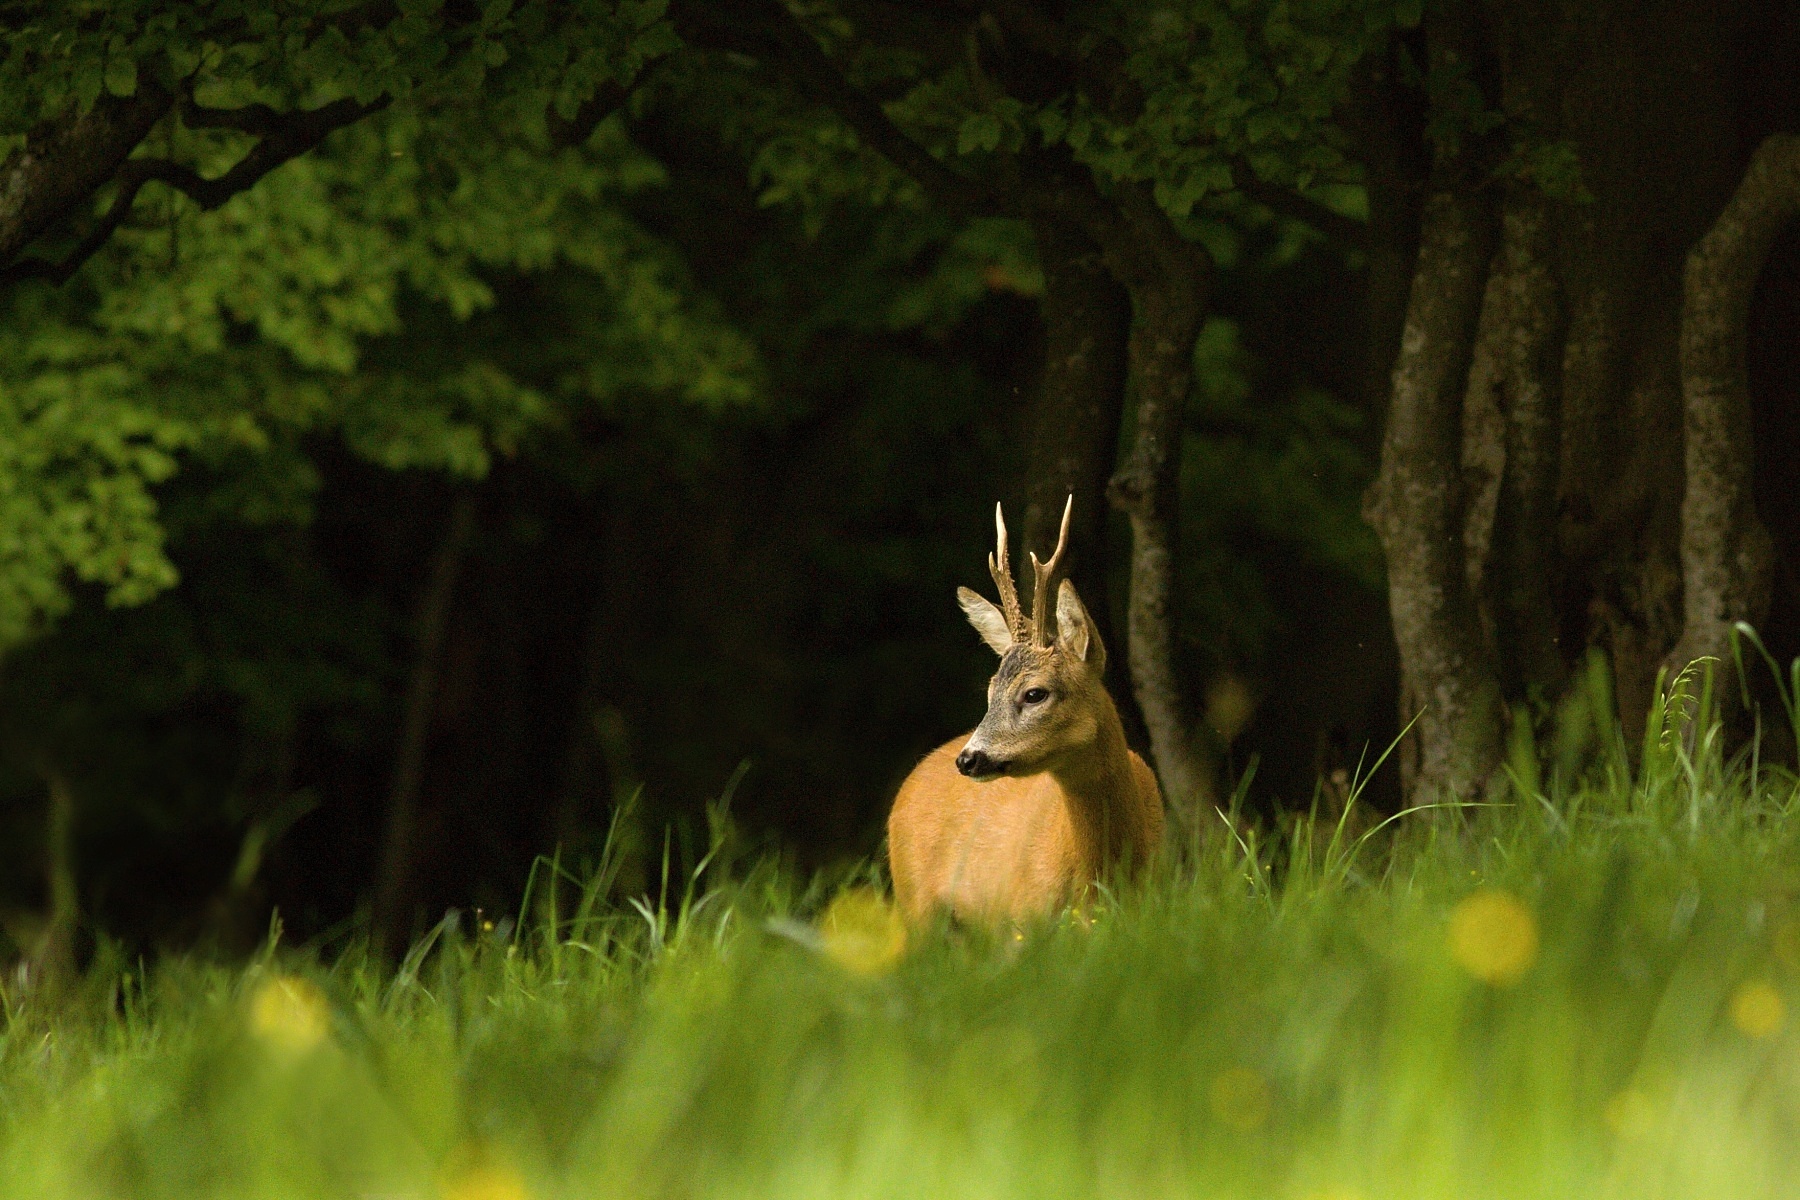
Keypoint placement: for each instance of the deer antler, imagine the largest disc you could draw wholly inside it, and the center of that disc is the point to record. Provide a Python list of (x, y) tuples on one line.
[(1044, 580), (1001, 570)]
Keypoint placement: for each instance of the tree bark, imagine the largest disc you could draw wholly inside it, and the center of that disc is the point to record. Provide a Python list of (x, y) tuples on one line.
[(1520, 585), (1072, 433), (1416, 507), (65, 161), (399, 851), (1727, 559), (1165, 276)]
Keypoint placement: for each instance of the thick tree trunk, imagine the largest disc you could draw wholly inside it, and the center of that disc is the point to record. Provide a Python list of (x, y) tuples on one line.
[(1416, 507), (1072, 435), (1449, 690), (1726, 556), (399, 850)]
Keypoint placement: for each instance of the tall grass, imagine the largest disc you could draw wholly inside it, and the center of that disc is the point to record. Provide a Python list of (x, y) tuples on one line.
[(1582, 989)]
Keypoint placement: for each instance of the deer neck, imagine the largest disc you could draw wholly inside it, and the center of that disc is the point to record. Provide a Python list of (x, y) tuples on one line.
[(1100, 789)]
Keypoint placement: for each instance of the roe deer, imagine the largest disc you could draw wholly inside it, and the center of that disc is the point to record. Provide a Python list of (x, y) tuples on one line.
[(1022, 814)]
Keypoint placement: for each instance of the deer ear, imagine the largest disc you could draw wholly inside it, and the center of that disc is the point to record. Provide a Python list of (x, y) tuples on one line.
[(987, 619), (1075, 631)]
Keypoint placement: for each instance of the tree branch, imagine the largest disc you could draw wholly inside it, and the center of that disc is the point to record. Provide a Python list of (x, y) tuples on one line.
[(1281, 201), (289, 136), (765, 29), (259, 119), (64, 161)]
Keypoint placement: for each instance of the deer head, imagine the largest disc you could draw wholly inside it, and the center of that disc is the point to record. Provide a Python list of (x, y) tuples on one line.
[(1046, 699)]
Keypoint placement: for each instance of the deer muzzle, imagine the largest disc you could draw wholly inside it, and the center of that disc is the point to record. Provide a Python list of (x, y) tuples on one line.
[(977, 765)]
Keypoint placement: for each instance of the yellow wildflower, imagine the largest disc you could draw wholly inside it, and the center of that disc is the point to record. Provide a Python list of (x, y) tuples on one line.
[(1757, 1009), (862, 933), (1493, 936), (475, 1173), (290, 1014)]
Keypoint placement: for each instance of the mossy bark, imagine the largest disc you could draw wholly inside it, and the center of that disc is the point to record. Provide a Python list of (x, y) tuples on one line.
[(1727, 559)]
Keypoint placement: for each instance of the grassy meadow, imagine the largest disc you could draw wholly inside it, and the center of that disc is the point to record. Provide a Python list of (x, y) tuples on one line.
[(1587, 989)]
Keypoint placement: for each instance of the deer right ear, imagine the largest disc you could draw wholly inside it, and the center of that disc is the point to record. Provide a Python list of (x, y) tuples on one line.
[(1075, 630), (987, 619)]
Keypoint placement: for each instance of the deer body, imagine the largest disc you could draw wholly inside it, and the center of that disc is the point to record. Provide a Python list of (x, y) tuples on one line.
[(1044, 796)]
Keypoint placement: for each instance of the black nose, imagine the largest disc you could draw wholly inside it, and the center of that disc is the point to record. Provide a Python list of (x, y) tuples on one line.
[(976, 764)]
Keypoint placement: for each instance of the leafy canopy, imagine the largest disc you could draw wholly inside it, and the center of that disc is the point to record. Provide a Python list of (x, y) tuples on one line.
[(225, 335)]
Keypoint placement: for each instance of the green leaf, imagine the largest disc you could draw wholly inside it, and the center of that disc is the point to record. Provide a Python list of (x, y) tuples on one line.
[(121, 75), (88, 77), (980, 131)]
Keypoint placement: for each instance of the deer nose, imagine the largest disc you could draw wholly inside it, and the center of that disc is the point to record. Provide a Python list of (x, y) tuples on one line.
[(976, 764)]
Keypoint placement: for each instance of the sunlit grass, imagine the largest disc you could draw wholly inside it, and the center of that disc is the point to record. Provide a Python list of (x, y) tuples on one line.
[(1586, 989)]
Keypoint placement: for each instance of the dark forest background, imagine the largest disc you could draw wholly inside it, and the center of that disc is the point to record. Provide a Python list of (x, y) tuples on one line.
[(604, 401)]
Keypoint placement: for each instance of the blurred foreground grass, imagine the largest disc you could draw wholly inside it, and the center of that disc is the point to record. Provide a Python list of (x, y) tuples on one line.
[(1586, 992)]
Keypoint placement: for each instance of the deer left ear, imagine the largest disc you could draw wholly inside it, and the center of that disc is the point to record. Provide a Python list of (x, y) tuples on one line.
[(1075, 632), (987, 619)]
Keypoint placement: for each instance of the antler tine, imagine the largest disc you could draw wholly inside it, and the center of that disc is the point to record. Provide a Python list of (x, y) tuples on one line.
[(1001, 570), (1044, 578)]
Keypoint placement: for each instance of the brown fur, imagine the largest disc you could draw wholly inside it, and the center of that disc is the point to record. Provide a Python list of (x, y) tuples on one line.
[(1074, 802)]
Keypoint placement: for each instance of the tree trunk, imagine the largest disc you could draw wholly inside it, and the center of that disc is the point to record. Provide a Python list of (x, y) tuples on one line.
[(1520, 585), (1165, 276), (1386, 121), (1568, 463), (1727, 559), (399, 851), (1072, 437), (1651, 98), (1416, 507)]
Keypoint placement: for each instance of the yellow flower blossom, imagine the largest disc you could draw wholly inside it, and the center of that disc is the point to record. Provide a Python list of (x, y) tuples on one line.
[(473, 1172), (1757, 1009), (486, 1183), (862, 933), (290, 1014), (1493, 936)]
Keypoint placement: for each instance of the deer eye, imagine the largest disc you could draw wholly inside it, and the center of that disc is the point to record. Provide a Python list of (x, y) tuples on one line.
[(1034, 696)]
